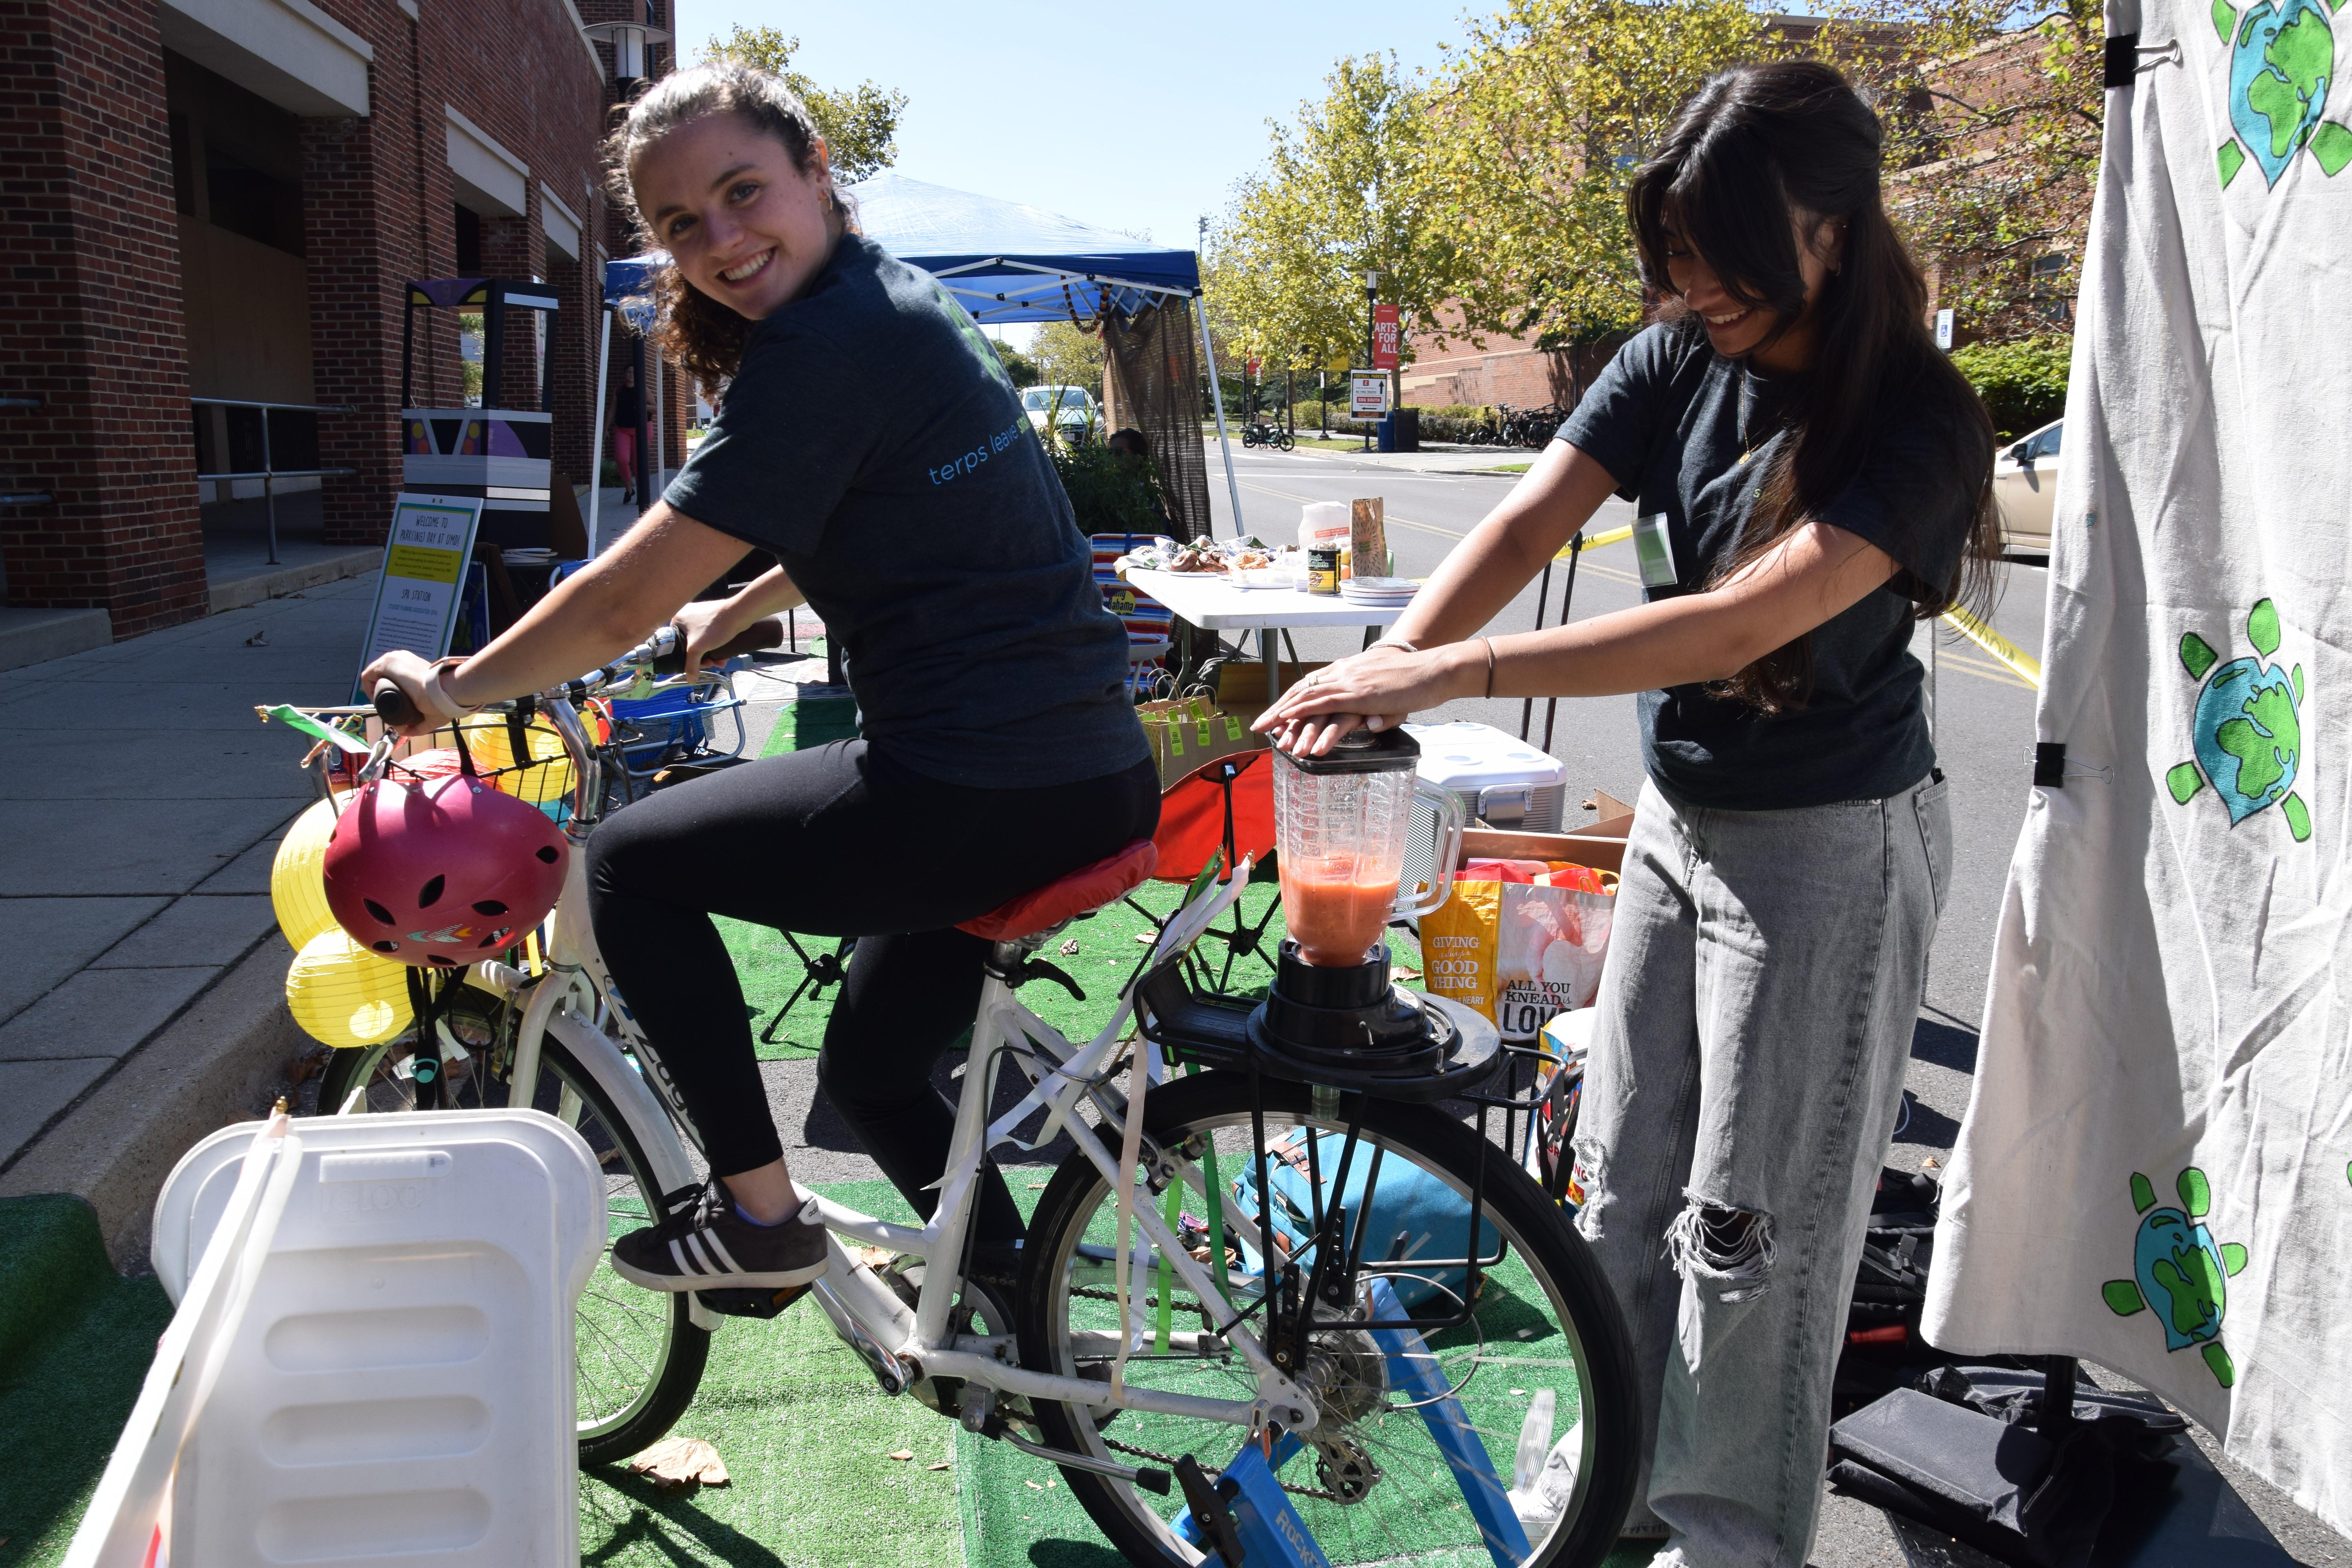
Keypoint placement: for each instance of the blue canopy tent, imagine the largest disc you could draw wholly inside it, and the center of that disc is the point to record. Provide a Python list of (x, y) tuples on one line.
[(1008, 263)]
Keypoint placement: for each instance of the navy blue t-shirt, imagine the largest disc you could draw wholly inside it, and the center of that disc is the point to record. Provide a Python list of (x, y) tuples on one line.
[(1690, 433), (871, 438)]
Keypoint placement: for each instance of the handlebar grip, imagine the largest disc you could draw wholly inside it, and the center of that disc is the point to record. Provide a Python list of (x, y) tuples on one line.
[(392, 706), (759, 634)]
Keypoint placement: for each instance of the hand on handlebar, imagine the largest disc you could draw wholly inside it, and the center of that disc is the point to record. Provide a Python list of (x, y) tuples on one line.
[(407, 695), (717, 629)]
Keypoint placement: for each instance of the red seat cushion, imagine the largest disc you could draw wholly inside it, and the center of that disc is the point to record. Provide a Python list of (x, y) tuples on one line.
[(1087, 887)]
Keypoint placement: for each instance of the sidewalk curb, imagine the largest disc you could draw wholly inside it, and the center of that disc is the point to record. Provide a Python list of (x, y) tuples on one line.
[(207, 1068), (275, 584)]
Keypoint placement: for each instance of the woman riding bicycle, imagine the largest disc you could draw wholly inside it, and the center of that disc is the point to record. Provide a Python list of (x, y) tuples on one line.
[(1822, 477), (867, 435)]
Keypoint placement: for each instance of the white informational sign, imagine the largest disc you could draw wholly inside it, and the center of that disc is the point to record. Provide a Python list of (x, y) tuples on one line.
[(424, 576), (1367, 394), (1944, 331), (2153, 1171)]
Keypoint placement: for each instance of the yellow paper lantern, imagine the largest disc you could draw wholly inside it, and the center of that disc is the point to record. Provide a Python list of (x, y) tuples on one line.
[(344, 996), (298, 885), (492, 745)]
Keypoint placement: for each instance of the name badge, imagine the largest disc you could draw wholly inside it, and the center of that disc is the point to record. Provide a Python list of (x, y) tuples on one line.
[(1656, 549)]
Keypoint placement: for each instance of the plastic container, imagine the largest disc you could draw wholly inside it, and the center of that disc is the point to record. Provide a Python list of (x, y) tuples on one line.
[(399, 1387), (1340, 824), (1324, 523)]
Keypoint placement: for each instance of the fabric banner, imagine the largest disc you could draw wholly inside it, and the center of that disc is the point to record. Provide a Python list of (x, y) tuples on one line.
[(2153, 1173)]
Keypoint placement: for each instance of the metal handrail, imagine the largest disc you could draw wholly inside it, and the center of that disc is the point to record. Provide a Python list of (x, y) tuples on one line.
[(288, 407), (268, 474)]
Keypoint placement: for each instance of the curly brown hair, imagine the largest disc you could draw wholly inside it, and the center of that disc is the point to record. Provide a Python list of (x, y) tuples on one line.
[(704, 337)]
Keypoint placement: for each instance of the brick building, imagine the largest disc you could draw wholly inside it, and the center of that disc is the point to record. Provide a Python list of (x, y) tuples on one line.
[(222, 199)]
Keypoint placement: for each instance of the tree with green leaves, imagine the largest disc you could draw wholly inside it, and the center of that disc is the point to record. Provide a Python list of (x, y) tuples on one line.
[(1543, 113), (1066, 354), (860, 124), (1342, 193)]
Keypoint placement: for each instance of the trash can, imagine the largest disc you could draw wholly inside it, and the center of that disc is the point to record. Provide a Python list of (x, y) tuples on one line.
[(1386, 439), (1408, 430)]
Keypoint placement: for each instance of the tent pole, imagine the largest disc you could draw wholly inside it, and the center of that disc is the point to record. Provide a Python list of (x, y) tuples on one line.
[(1217, 395), (597, 442)]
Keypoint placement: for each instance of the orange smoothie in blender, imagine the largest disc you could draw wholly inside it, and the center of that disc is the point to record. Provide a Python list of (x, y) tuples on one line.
[(1334, 913)]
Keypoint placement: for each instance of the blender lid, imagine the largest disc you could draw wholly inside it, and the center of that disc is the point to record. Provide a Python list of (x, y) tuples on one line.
[(1364, 752)]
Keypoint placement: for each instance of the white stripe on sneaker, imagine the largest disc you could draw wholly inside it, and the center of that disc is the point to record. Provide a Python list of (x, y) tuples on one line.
[(678, 1257), (701, 1259), (711, 1239)]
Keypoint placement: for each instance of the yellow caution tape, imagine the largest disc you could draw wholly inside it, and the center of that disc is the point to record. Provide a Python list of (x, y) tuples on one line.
[(2026, 666), (1614, 536)]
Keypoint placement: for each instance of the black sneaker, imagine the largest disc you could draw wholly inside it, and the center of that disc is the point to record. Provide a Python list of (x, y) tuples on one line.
[(707, 1246)]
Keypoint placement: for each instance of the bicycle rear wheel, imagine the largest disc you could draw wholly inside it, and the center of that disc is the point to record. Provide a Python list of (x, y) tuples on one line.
[(637, 1355), (1544, 1319)]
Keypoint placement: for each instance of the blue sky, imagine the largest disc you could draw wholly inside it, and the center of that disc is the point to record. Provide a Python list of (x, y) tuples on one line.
[(1136, 118)]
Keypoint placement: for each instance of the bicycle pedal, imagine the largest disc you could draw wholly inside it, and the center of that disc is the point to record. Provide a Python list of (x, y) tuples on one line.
[(753, 1303)]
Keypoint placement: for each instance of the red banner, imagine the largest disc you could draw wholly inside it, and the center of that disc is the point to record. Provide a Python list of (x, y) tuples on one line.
[(1385, 335)]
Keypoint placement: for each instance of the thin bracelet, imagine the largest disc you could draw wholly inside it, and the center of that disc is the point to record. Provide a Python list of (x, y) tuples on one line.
[(1394, 642), (1490, 665)]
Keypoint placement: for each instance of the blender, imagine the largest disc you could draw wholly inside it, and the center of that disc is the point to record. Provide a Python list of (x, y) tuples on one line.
[(1340, 824)]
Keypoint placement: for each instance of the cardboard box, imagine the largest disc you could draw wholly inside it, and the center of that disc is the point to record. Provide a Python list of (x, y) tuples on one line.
[(1188, 734), (1599, 844)]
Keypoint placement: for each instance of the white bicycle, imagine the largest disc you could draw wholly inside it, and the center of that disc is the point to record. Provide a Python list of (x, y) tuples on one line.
[(1348, 1300)]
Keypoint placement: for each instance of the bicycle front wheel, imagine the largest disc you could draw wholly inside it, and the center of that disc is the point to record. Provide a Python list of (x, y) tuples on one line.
[(1383, 1476), (637, 1355)]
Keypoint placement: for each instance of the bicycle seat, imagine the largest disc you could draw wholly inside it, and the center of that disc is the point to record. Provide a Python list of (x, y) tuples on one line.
[(1087, 887)]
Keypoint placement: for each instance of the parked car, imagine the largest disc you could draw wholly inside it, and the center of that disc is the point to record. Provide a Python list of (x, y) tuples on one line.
[(2024, 482), (1064, 406)]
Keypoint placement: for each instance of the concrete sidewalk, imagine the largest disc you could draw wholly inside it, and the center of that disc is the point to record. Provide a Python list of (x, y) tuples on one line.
[(141, 1003)]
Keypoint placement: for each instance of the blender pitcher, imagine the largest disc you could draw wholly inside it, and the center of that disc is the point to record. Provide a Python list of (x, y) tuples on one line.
[(1340, 824)]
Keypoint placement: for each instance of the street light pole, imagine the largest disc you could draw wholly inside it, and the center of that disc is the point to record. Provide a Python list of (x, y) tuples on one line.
[(1371, 350)]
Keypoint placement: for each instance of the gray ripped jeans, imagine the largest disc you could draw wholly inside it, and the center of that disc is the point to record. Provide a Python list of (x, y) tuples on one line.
[(1754, 1021)]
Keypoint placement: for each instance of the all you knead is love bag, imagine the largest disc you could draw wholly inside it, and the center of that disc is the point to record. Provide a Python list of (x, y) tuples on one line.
[(1520, 941)]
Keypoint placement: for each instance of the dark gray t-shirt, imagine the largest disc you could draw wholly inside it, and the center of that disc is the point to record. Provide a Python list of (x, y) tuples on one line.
[(872, 440), (1690, 433)]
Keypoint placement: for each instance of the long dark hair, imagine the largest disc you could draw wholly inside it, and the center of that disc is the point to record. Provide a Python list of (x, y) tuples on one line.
[(1754, 150), (702, 335)]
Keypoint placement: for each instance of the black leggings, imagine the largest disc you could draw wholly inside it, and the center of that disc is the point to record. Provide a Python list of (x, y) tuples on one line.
[(819, 843)]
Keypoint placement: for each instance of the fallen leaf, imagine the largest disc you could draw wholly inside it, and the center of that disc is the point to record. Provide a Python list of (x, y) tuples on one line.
[(902, 1454), (1069, 947), (943, 1464), (1517, 1391), (1033, 1485), (875, 1257), (259, 639), (677, 1462), (1408, 973), (1036, 1186), (1147, 937)]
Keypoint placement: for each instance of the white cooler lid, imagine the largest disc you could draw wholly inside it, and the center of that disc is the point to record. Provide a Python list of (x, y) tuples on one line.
[(1468, 756)]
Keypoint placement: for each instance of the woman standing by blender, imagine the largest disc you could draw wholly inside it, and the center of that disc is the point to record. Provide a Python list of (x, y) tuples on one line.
[(1812, 479)]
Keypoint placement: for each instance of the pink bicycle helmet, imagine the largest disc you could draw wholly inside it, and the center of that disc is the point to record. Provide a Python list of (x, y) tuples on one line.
[(443, 872)]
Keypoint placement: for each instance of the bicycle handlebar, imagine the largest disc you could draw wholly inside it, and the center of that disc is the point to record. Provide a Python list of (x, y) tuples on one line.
[(664, 653)]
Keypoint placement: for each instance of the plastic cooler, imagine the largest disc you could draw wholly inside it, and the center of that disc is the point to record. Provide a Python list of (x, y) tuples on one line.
[(1498, 776), (398, 1384)]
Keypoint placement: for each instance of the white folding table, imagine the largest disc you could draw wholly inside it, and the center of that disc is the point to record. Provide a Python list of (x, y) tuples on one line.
[(1205, 599)]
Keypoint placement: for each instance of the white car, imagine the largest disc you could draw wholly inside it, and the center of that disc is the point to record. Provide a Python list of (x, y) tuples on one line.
[(2024, 483), (1064, 405)]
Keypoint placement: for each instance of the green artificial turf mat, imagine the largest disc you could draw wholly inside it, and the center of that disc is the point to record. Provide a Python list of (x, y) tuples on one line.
[(76, 1340), (1108, 946), (806, 1436)]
